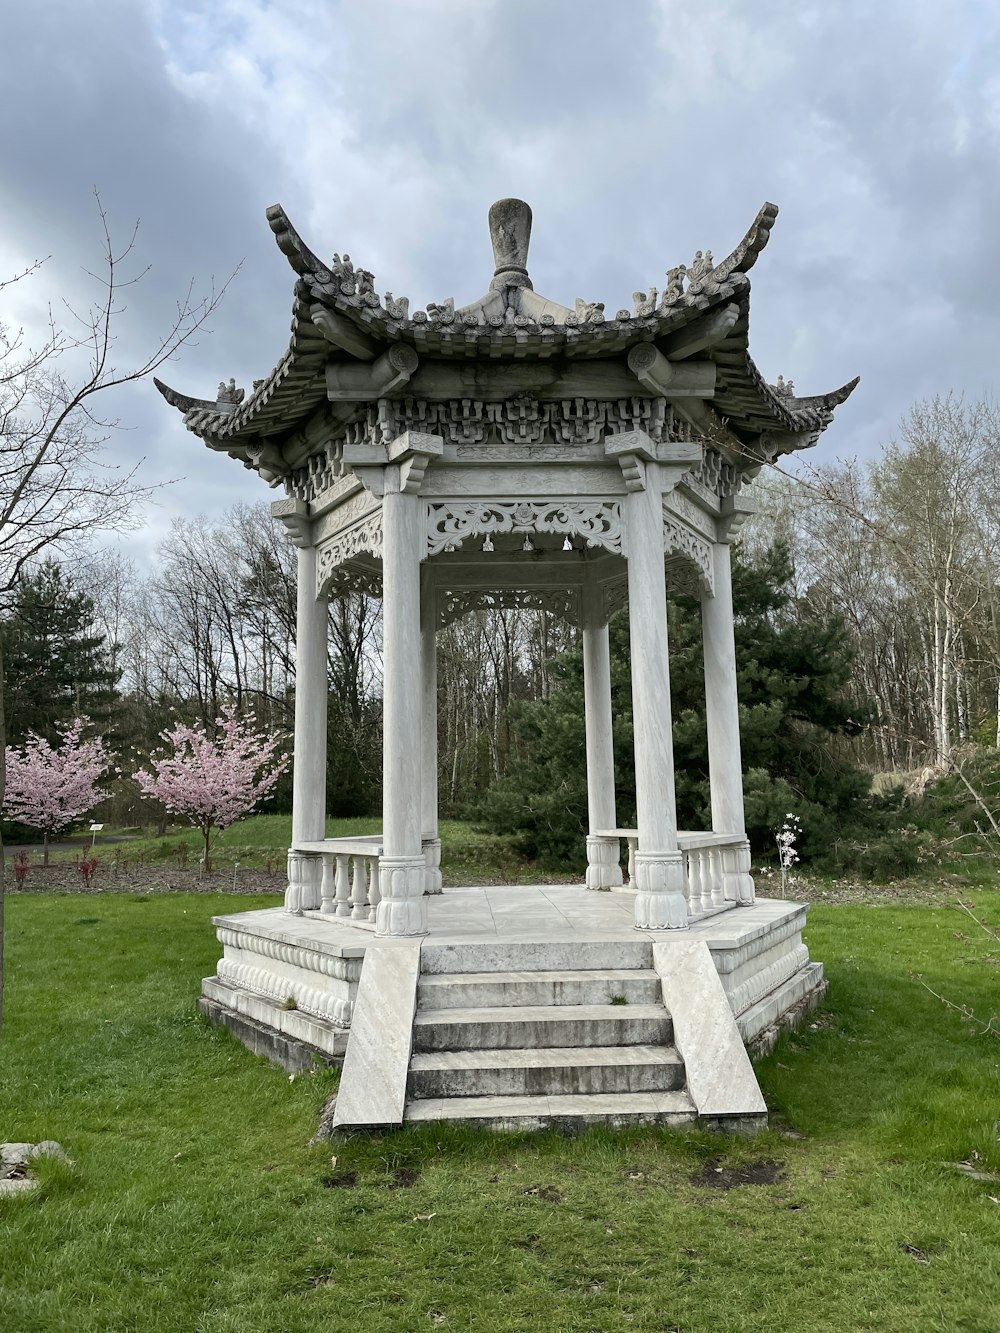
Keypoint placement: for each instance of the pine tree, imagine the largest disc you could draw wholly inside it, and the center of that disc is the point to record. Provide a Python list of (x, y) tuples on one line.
[(794, 676), (56, 664)]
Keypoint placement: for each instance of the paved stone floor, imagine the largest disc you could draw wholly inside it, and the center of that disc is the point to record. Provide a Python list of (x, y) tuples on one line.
[(534, 912)]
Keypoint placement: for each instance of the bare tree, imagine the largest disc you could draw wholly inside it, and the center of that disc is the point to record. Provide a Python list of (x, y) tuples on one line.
[(56, 487)]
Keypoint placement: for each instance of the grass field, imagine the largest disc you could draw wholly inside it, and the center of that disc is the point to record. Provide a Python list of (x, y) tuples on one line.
[(471, 856), (197, 1206)]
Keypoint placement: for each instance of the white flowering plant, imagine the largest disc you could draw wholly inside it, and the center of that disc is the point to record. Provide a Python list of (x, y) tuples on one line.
[(786, 838)]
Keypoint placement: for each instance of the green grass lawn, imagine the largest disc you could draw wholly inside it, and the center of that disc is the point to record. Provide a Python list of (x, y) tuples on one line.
[(197, 1206), (470, 855)]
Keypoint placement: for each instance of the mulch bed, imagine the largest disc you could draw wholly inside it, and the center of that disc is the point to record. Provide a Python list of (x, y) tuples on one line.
[(158, 877)]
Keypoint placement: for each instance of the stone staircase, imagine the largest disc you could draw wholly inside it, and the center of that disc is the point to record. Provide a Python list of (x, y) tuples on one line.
[(518, 1034), (508, 1038)]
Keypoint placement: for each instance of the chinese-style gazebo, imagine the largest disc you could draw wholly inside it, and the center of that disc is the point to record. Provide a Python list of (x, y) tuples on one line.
[(517, 452)]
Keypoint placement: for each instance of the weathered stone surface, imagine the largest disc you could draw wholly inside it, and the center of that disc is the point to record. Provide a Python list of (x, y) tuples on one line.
[(15, 1160)]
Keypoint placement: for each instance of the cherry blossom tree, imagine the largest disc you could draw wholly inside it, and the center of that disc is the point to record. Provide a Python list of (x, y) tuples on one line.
[(212, 781), (48, 787)]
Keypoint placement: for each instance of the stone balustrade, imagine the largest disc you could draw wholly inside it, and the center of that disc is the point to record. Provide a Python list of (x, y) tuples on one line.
[(716, 866), (349, 883)]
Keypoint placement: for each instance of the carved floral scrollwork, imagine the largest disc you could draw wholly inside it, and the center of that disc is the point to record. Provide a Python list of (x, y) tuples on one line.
[(363, 536), (614, 596), (455, 603), (598, 522), (686, 549)]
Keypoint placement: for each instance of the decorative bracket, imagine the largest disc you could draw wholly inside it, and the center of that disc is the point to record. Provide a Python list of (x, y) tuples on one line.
[(736, 509), (413, 450), (634, 449), (294, 514)]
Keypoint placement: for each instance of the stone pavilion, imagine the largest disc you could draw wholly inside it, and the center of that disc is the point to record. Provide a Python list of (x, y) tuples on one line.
[(518, 452)]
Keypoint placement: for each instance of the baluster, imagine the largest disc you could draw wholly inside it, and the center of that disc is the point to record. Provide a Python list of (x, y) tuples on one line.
[(707, 857), (327, 889), (359, 890), (632, 845), (343, 887), (374, 894), (718, 877), (691, 880)]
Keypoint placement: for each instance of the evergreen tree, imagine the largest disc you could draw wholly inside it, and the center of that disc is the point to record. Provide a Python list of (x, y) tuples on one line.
[(795, 701), (56, 665)]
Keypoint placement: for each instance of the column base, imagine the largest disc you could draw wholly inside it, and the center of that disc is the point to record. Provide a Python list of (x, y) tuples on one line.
[(738, 885), (660, 903), (304, 876), (603, 868), (402, 909), (432, 865)]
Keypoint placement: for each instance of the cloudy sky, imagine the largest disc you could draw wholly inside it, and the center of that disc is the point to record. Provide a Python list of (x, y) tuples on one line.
[(639, 130)]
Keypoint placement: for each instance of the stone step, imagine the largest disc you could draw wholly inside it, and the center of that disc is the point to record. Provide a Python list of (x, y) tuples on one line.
[(537, 1026), (670, 1108), (534, 956), (478, 990), (546, 1072)]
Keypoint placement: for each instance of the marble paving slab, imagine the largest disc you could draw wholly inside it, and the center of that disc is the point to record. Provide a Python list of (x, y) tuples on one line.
[(539, 912), (373, 1081), (720, 1077)]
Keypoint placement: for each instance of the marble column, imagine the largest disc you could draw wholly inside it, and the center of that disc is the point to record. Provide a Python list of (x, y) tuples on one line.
[(309, 758), (725, 766), (659, 869), (402, 909), (429, 769), (603, 854)]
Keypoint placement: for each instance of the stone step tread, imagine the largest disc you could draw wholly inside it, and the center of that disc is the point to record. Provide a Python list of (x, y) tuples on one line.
[(537, 1013), (433, 980), (569, 1105), (545, 1058)]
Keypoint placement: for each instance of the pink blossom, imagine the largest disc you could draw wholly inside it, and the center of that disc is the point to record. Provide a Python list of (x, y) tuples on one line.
[(49, 787), (214, 781)]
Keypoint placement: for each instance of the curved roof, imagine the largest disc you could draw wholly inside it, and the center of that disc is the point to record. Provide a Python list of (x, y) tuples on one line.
[(337, 313)]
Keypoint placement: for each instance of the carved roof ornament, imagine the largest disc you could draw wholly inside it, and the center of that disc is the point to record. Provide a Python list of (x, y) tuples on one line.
[(510, 232), (346, 337), (228, 396)]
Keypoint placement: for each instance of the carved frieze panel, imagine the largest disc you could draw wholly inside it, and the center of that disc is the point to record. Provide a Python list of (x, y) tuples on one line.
[(684, 548), (452, 521), (365, 536), (347, 582), (452, 604), (500, 453), (685, 509), (515, 479), (614, 596)]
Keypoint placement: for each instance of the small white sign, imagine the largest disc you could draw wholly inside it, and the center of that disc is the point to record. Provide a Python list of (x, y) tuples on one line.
[(96, 828)]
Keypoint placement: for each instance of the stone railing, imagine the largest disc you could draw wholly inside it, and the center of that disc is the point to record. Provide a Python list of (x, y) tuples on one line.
[(716, 866), (349, 883)]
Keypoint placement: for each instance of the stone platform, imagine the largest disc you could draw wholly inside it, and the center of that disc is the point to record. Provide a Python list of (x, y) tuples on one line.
[(535, 980)]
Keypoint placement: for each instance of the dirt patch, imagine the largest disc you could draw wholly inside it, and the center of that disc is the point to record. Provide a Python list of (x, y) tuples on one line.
[(404, 1178), (346, 1180), (714, 1176), (547, 1193)]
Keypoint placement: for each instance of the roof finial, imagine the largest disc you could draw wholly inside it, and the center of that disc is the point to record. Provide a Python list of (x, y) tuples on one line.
[(510, 232)]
